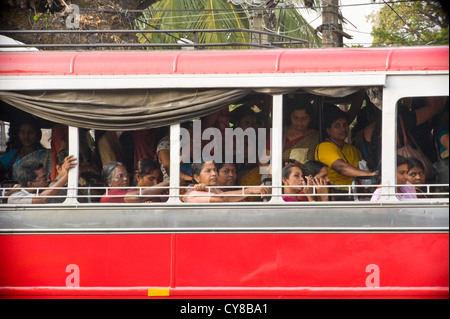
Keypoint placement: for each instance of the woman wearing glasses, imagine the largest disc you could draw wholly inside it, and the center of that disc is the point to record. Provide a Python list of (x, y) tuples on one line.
[(115, 174)]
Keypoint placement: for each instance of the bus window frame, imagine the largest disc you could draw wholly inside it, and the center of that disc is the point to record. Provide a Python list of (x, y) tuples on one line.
[(398, 87)]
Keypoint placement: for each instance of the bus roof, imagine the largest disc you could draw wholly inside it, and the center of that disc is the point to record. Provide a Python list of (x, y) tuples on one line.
[(40, 63)]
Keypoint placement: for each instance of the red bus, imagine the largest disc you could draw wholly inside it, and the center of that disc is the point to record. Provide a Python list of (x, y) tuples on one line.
[(390, 248)]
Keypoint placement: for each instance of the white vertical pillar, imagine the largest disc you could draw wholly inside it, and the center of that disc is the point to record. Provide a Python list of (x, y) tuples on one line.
[(174, 163), (74, 150), (389, 144), (277, 148)]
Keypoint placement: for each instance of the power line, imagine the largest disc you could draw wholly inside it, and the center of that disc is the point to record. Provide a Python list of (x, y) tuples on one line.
[(406, 23), (243, 9)]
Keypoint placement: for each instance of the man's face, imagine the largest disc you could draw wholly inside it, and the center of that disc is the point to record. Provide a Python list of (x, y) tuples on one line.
[(42, 179)]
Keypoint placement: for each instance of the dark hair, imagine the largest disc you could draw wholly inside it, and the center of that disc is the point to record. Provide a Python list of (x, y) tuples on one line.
[(27, 172), (287, 170), (145, 166), (312, 168), (237, 114), (332, 113), (401, 160), (62, 154), (297, 105), (220, 165), (414, 162), (14, 141), (197, 169)]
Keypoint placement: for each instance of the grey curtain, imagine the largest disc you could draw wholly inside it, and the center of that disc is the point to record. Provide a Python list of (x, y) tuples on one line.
[(123, 109), (137, 109)]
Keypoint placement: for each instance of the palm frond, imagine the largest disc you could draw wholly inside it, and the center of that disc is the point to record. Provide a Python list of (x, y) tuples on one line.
[(215, 14)]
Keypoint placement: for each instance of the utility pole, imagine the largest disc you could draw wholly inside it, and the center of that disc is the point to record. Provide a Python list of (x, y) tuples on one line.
[(257, 23), (332, 33), (330, 22), (262, 19)]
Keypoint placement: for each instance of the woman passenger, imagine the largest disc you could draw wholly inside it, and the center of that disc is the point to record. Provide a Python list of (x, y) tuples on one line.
[(226, 175), (163, 156), (115, 174), (300, 186), (205, 175), (299, 139), (340, 157), (416, 175), (317, 173), (293, 179), (404, 189), (24, 145), (148, 175)]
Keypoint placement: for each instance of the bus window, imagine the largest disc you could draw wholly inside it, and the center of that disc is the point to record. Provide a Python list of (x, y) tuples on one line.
[(422, 132), (234, 138)]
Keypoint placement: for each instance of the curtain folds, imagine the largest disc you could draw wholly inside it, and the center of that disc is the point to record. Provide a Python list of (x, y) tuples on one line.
[(137, 109), (122, 110)]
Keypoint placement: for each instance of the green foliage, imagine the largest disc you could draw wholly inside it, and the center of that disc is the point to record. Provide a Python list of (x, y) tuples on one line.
[(292, 24), (214, 14), (427, 23)]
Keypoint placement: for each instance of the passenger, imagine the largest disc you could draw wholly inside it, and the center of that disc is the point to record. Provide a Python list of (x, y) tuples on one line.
[(33, 175), (299, 139), (89, 161), (115, 174), (226, 175), (24, 145), (316, 174), (294, 182), (163, 156), (367, 135), (59, 141), (205, 175), (416, 175), (403, 192), (417, 114), (148, 175), (88, 164), (300, 187), (60, 157), (341, 158), (245, 117), (441, 138)]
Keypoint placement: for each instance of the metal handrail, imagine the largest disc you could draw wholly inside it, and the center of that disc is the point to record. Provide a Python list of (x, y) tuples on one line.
[(350, 192)]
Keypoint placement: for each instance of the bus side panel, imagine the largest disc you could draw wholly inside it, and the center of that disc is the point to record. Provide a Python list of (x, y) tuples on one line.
[(183, 265), (313, 260), (97, 260)]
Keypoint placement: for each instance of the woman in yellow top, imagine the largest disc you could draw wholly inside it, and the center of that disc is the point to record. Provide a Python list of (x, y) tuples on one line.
[(340, 157)]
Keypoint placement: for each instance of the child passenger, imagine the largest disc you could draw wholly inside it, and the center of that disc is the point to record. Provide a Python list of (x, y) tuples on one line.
[(404, 189)]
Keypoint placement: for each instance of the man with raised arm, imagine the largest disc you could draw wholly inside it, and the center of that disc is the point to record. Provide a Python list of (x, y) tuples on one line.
[(34, 177)]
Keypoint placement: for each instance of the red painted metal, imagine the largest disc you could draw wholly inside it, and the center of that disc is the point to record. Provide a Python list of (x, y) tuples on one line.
[(226, 265), (224, 62)]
